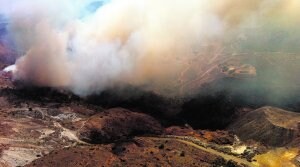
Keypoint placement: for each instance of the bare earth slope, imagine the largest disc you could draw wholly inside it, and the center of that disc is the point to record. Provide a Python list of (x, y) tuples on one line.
[(269, 125)]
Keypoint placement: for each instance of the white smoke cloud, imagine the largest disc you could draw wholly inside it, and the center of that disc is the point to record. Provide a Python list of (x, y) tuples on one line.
[(149, 43)]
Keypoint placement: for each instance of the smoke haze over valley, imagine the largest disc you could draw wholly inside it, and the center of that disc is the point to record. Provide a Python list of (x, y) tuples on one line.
[(149, 83), (167, 47)]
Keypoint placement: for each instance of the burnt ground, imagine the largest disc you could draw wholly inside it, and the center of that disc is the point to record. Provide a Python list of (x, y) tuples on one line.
[(50, 127), (139, 152), (216, 104)]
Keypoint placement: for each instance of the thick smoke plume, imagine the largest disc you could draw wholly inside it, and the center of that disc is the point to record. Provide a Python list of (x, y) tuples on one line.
[(164, 46)]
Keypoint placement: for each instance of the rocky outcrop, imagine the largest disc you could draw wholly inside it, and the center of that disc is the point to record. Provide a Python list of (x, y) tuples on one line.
[(269, 125), (116, 124)]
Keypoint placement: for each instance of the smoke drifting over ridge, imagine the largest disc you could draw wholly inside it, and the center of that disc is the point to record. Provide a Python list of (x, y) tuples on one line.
[(148, 43)]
